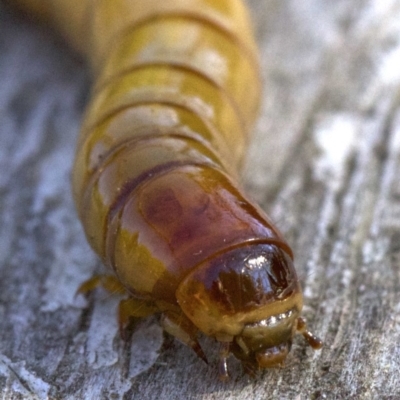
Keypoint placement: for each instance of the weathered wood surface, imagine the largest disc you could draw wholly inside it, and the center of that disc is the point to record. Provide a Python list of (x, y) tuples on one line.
[(324, 162)]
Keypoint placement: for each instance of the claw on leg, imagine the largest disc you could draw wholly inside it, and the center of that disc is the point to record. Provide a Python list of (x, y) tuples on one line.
[(183, 329)]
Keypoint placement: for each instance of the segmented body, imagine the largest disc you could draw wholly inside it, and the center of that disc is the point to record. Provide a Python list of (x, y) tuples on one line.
[(176, 92)]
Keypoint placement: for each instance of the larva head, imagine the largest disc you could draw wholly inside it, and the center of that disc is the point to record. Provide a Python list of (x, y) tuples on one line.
[(248, 297)]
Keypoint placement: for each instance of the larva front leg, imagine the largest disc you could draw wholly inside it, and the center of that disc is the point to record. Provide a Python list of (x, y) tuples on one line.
[(180, 327), (128, 308)]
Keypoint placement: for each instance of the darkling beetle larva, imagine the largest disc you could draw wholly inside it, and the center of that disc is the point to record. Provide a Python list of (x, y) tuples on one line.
[(176, 92)]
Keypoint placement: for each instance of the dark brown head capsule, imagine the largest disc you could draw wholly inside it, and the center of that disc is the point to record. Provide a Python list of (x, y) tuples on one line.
[(248, 298)]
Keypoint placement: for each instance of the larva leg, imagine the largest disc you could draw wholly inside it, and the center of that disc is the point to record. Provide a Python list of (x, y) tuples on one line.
[(314, 341), (180, 327), (222, 366), (131, 308), (108, 282), (250, 369), (128, 308)]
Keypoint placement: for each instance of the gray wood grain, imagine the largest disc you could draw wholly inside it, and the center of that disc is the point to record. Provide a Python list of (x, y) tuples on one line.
[(324, 162)]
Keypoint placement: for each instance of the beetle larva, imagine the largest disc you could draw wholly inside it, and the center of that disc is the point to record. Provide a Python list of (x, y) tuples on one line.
[(176, 91)]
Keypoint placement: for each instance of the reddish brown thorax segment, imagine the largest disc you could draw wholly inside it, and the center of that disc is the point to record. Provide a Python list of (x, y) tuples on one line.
[(182, 217)]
